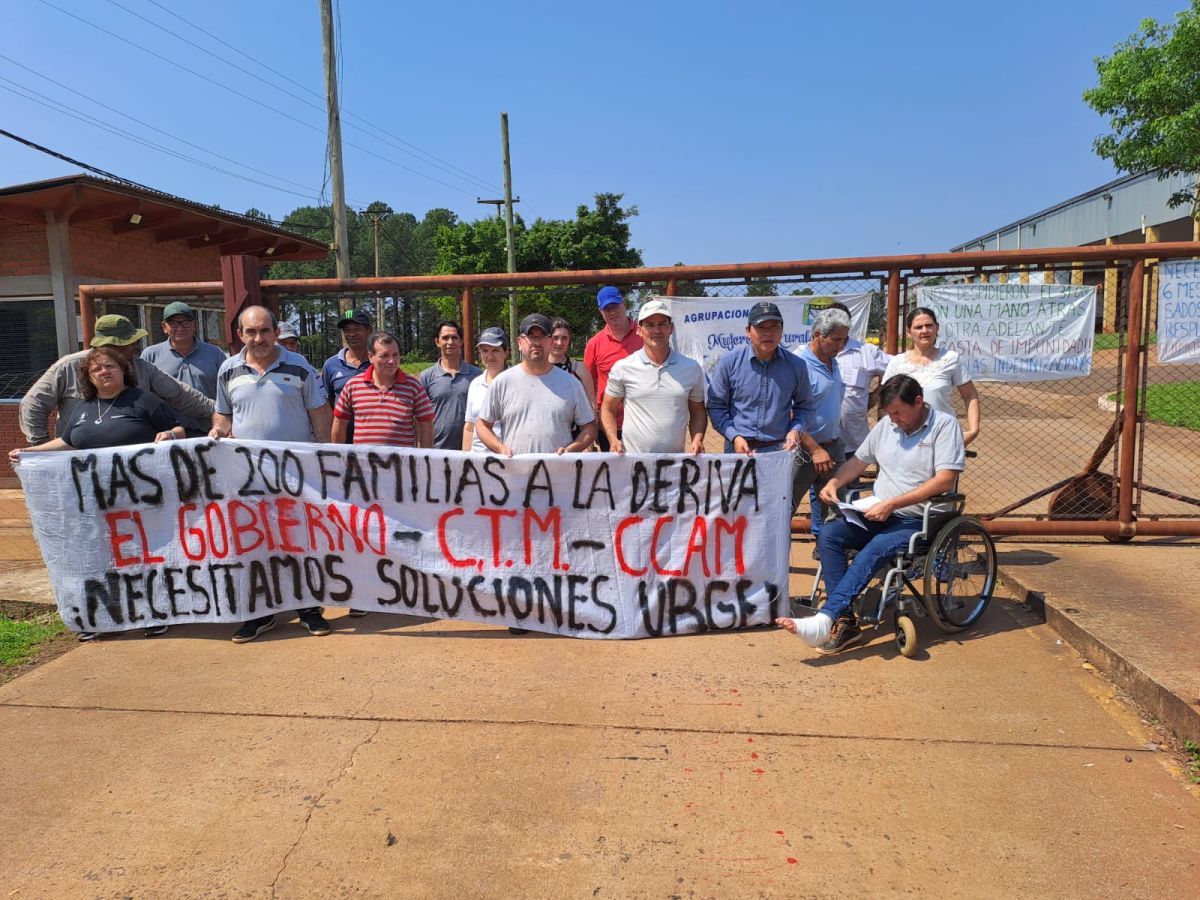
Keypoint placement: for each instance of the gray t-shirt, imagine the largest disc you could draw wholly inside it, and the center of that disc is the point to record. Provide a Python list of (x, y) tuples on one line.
[(906, 461), (449, 395), (656, 400), (537, 410), (198, 369)]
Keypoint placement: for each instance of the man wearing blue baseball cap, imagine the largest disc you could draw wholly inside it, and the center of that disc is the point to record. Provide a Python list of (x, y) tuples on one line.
[(615, 341)]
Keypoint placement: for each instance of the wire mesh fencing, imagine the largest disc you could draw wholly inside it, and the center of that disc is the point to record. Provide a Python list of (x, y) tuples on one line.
[(1047, 448), (1168, 470)]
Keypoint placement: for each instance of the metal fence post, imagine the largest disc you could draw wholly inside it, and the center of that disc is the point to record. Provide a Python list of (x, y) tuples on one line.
[(1129, 399), (468, 323), (893, 311)]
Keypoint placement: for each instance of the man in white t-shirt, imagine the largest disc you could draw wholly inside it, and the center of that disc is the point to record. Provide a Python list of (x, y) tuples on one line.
[(537, 402), (659, 391)]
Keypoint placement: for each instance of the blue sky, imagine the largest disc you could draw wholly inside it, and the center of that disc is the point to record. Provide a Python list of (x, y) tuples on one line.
[(742, 131)]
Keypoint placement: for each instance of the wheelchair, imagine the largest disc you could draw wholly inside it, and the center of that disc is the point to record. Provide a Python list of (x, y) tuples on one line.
[(947, 572)]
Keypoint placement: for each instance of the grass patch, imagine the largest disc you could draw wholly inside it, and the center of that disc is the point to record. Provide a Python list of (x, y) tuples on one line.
[(1191, 751), (20, 639), (415, 368), (1172, 404), (1112, 341)]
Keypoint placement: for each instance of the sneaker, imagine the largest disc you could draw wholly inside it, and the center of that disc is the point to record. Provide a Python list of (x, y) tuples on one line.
[(813, 630), (357, 613), (252, 629), (845, 633), (315, 623), (87, 636), (155, 630)]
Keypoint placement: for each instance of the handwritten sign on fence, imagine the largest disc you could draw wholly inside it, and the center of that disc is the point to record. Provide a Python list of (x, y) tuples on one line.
[(1016, 332), (587, 545), (1179, 311), (706, 328)]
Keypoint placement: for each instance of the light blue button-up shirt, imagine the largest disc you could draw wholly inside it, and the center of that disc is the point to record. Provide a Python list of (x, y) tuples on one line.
[(825, 381)]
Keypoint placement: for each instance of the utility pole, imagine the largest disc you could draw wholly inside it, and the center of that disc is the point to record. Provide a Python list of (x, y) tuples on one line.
[(508, 232), (499, 204), (341, 236)]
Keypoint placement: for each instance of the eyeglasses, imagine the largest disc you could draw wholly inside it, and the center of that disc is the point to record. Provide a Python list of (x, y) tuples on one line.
[(103, 367), (180, 323)]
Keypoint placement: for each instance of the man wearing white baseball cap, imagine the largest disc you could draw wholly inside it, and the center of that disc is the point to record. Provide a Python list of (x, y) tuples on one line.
[(659, 391)]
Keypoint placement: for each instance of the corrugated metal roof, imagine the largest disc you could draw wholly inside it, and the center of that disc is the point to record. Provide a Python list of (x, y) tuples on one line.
[(1124, 205)]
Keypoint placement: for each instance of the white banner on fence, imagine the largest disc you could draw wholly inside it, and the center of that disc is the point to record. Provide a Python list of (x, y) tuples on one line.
[(708, 327), (585, 545), (1179, 311), (1016, 332)]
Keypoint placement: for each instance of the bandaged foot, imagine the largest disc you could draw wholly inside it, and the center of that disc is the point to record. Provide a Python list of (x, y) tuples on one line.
[(813, 630)]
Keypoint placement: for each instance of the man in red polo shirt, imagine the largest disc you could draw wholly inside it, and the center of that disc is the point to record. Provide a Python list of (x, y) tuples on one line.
[(385, 405), (617, 340)]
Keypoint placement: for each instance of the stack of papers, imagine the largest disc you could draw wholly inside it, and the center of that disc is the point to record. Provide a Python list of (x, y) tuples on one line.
[(853, 510)]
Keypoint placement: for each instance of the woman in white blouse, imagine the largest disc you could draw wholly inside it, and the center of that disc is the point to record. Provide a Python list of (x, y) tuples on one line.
[(938, 370)]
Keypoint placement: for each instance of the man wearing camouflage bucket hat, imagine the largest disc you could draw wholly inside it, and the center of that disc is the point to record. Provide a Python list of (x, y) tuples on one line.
[(59, 386)]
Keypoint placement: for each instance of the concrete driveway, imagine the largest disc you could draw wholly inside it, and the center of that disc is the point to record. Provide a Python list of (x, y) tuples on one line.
[(415, 758)]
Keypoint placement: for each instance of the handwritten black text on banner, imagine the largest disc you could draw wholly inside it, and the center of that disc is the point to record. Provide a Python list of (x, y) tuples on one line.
[(587, 545)]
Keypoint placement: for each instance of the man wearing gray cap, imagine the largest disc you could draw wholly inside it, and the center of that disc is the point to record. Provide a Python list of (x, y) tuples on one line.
[(59, 387), (185, 357), (537, 402), (659, 391)]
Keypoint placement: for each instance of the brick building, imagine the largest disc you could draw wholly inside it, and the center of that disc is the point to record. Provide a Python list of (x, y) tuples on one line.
[(58, 234)]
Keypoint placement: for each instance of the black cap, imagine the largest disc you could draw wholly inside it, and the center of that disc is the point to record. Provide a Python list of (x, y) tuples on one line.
[(536, 320), (356, 317), (764, 311)]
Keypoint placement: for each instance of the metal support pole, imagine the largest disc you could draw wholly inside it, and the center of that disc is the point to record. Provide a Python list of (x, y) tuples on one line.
[(672, 287), (468, 323), (893, 311), (1130, 398)]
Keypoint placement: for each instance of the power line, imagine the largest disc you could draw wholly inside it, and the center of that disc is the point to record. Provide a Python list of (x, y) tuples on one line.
[(432, 160), (245, 96), (74, 162), (144, 124), (345, 112), (63, 109)]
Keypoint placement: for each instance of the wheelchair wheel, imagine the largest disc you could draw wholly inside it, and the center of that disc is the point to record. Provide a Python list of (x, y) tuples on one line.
[(960, 574), (906, 636)]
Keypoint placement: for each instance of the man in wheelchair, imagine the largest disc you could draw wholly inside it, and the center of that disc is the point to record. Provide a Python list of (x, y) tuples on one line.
[(919, 451)]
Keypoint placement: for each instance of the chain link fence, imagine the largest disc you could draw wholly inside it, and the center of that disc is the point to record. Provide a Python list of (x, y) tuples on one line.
[(1168, 471), (1047, 451)]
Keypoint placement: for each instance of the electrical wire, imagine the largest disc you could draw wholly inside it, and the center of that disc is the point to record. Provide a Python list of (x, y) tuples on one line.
[(253, 100), (430, 159), (347, 114), (75, 162), (146, 124), (70, 111)]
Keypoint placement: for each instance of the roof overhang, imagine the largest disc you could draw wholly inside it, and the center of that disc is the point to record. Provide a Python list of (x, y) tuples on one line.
[(128, 208)]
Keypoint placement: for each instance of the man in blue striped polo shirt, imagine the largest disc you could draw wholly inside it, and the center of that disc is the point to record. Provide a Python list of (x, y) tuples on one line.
[(267, 393)]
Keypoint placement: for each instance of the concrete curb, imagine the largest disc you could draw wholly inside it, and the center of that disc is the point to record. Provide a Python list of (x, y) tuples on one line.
[(1172, 711)]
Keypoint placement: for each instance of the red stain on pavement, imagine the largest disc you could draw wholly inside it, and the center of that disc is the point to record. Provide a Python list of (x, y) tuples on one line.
[(754, 756), (792, 860), (760, 771)]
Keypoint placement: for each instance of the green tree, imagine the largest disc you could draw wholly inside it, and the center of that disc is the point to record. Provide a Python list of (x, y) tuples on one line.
[(761, 287), (1150, 91)]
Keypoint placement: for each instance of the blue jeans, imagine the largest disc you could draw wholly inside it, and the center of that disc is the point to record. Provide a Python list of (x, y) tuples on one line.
[(817, 508), (876, 544)]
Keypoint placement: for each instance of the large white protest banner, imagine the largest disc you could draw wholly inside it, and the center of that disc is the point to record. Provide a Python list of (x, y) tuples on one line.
[(1016, 332), (586, 545), (708, 327), (1179, 311)]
